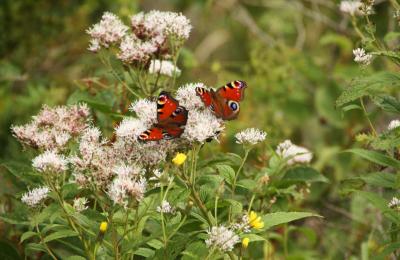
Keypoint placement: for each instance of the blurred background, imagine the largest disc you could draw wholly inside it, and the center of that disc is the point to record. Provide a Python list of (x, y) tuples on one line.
[(295, 55)]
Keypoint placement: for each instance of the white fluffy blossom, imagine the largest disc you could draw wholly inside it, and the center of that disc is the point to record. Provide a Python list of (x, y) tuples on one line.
[(134, 50), (243, 224), (394, 203), (393, 124), (108, 31), (222, 238), (80, 204), (131, 128), (50, 161), (361, 57), (351, 7), (166, 208), (250, 136), (164, 67), (146, 110), (35, 196), (187, 97), (162, 23), (202, 125), (294, 153)]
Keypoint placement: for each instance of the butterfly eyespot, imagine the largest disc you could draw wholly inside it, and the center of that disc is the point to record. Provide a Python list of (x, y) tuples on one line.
[(167, 136), (143, 136), (162, 99), (233, 105), (199, 90)]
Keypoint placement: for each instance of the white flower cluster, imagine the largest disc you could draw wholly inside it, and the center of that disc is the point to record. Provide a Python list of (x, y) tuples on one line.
[(222, 238), (164, 67), (132, 127), (50, 162), (133, 50), (351, 7), (108, 31), (393, 124), (128, 185), (243, 225), (293, 153), (145, 110), (35, 196), (166, 208), (250, 136), (52, 128), (361, 57), (202, 125), (394, 203), (161, 24), (80, 204), (188, 98)]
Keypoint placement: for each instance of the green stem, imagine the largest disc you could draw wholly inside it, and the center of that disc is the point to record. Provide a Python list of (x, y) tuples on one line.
[(44, 243), (368, 119)]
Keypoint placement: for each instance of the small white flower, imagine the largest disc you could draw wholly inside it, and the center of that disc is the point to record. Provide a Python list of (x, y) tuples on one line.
[(202, 125), (250, 136), (187, 97), (243, 225), (146, 110), (222, 238), (166, 208), (361, 57), (351, 7), (294, 153), (393, 124), (134, 50), (160, 177), (108, 31), (130, 127), (164, 67), (50, 162), (394, 203), (35, 196), (80, 204)]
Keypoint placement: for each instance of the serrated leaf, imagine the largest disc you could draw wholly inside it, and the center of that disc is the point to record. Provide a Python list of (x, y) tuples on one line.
[(145, 252), (381, 179), (227, 172), (60, 234), (303, 173), (278, 218), (376, 157)]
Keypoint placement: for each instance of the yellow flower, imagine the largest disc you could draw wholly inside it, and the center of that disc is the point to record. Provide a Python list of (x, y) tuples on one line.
[(255, 221), (103, 227), (245, 242), (179, 159)]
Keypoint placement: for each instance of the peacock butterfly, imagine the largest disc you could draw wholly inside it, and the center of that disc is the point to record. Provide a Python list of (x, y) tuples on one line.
[(171, 118), (224, 102)]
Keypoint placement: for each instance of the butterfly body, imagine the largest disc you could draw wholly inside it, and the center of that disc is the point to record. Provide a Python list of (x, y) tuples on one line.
[(171, 118), (224, 102)]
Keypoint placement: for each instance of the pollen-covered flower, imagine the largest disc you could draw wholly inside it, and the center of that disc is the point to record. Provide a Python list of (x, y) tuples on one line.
[(222, 238), (394, 203), (35, 196), (146, 110), (361, 57), (351, 7), (166, 208), (109, 30), (393, 124), (179, 159), (250, 136), (50, 162), (187, 97), (164, 67), (293, 153), (202, 125), (130, 127), (80, 204), (133, 50), (255, 221)]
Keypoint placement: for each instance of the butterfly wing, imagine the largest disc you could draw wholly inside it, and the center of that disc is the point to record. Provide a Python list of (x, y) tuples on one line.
[(233, 90), (152, 134), (169, 111)]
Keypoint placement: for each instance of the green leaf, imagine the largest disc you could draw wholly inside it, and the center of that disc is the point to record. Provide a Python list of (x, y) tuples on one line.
[(388, 249), (387, 103), (27, 235), (381, 179), (227, 172), (60, 234), (376, 157), (75, 257), (155, 243), (306, 174), (277, 218), (253, 237), (381, 204), (145, 252)]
